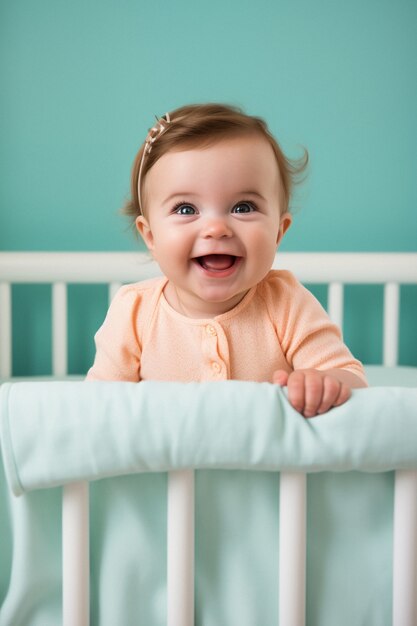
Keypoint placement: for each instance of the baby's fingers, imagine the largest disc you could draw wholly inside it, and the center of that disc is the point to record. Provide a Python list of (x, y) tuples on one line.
[(344, 395), (314, 387), (280, 377), (335, 393), (305, 391), (296, 390)]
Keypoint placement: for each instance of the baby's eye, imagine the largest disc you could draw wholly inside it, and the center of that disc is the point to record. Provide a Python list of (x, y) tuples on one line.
[(243, 207), (185, 209)]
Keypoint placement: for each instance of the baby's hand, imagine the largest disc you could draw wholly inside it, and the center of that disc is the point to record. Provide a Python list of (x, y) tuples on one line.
[(313, 392)]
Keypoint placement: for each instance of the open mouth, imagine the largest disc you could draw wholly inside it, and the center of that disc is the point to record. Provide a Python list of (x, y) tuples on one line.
[(217, 262)]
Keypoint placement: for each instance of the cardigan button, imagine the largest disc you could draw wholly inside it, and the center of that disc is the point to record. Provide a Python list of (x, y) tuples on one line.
[(216, 367)]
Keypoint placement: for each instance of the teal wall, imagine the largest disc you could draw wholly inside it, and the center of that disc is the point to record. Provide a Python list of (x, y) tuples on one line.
[(81, 81)]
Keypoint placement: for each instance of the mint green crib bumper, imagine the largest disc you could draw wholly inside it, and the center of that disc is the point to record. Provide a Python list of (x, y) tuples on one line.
[(238, 436)]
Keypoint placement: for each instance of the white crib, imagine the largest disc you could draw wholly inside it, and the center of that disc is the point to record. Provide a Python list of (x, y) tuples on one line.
[(59, 269)]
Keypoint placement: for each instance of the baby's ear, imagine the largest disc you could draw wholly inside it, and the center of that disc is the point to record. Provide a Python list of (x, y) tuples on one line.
[(284, 224), (145, 232)]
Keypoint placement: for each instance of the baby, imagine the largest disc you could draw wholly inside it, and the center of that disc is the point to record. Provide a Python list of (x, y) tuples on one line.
[(210, 197)]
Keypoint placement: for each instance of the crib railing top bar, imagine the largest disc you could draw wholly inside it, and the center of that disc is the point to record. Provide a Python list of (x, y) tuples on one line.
[(350, 267), (76, 267), (105, 267)]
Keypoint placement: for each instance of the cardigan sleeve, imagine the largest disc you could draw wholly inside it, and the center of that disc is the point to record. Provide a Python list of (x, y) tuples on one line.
[(308, 338), (118, 350)]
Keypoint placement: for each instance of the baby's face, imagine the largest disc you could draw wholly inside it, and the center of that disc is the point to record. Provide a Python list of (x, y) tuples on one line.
[(214, 221)]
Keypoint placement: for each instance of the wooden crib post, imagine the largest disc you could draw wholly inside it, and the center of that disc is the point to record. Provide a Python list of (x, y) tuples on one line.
[(59, 329), (292, 549), (405, 549), (180, 548), (5, 330), (75, 555)]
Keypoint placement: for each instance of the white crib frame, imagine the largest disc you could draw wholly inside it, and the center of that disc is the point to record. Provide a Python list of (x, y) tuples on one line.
[(334, 269)]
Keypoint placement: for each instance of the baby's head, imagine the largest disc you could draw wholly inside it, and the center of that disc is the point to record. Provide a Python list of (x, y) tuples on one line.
[(196, 127), (210, 195)]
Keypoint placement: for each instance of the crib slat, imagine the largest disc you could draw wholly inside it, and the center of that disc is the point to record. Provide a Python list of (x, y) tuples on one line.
[(405, 549), (59, 329), (75, 555), (180, 548), (335, 303), (5, 330), (292, 549), (391, 316)]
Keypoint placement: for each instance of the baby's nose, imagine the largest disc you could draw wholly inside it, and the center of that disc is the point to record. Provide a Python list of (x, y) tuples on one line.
[(216, 228)]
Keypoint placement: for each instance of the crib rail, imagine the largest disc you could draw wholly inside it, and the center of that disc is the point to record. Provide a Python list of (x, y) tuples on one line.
[(105, 267), (75, 555), (115, 268), (292, 548), (336, 269), (180, 549), (292, 551), (405, 549)]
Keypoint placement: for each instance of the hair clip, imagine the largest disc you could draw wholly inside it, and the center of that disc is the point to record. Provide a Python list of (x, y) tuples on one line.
[(161, 126)]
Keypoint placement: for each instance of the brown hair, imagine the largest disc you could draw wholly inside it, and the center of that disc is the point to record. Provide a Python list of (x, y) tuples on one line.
[(200, 125)]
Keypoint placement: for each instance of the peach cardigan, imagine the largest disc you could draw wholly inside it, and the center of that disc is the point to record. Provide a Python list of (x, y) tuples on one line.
[(278, 325)]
